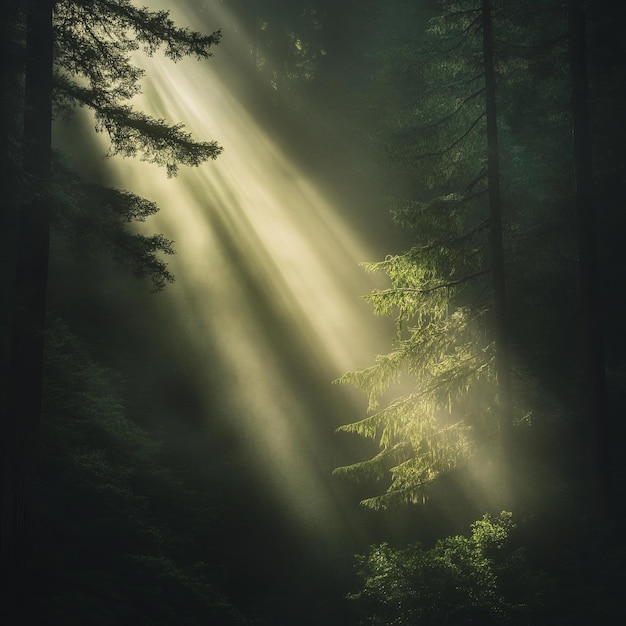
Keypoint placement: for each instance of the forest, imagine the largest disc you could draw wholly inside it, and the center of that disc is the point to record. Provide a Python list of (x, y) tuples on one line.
[(310, 312)]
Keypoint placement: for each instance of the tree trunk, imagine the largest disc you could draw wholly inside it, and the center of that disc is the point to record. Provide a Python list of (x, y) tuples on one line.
[(497, 251), (11, 111), (593, 353), (24, 393)]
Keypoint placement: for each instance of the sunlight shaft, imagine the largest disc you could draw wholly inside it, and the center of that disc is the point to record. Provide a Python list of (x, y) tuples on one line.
[(264, 268)]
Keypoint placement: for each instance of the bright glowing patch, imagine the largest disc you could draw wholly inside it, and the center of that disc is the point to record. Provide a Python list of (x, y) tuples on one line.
[(255, 239)]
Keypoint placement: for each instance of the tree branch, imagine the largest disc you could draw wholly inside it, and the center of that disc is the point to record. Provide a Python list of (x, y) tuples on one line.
[(452, 283), (458, 83), (455, 143), (450, 115), (454, 240)]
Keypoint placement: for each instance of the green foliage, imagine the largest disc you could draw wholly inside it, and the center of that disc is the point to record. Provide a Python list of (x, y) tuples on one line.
[(443, 352), (479, 579), (94, 67), (94, 219), (94, 43), (437, 385), (443, 349), (287, 52), (133, 28), (113, 543), (427, 95), (285, 47)]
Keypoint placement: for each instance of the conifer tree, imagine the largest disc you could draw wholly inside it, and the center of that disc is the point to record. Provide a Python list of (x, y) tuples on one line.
[(447, 292), (77, 54), (25, 365), (592, 349), (496, 244), (447, 135)]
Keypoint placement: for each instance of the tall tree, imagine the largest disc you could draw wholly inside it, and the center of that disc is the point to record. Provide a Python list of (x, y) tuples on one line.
[(445, 133), (500, 331), (77, 53), (24, 386), (456, 346), (591, 322), (11, 73)]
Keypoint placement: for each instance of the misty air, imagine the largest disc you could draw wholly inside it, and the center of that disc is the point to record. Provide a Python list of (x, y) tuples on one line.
[(311, 313)]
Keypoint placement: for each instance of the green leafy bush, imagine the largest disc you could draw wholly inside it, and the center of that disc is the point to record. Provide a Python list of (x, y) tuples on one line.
[(480, 579)]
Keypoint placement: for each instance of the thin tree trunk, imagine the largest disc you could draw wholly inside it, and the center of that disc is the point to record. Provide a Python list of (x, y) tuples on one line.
[(11, 111), (593, 353), (24, 394), (497, 249)]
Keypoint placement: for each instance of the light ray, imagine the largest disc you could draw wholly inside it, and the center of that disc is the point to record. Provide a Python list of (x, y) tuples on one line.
[(265, 267)]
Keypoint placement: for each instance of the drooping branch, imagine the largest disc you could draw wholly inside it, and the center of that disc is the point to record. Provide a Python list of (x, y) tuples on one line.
[(453, 144), (425, 290), (134, 133), (153, 29), (454, 241), (446, 118)]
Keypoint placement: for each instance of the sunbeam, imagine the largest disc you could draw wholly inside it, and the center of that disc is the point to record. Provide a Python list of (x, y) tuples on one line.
[(267, 276), (309, 312)]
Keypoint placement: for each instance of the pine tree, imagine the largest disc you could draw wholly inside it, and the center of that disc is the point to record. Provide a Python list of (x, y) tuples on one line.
[(496, 245), (447, 292), (77, 53), (437, 291), (24, 379), (593, 351)]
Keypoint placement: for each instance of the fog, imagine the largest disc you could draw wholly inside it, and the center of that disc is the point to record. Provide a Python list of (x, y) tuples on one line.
[(235, 361)]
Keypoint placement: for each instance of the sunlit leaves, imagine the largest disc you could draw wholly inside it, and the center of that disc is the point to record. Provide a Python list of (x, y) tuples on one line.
[(442, 352), (479, 579), (409, 281), (442, 359)]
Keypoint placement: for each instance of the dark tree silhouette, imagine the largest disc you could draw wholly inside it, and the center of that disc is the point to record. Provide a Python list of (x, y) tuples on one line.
[(500, 331), (91, 44), (591, 307), (23, 410)]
